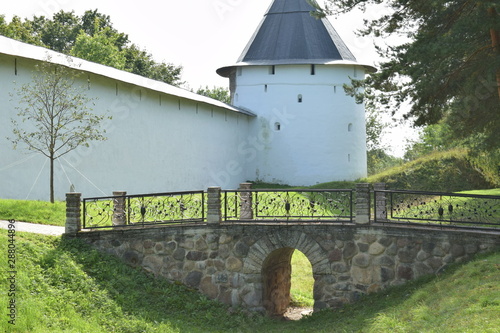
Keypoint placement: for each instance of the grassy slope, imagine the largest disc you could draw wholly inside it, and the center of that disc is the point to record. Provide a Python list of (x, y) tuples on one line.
[(448, 171), (41, 212), (65, 286)]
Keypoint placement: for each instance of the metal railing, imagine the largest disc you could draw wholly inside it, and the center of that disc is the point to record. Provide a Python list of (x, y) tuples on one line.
[(144, 209), (437, 208), (290, 205)]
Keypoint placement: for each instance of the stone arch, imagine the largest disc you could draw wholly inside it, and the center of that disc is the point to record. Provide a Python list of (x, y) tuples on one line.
[(271, 257)]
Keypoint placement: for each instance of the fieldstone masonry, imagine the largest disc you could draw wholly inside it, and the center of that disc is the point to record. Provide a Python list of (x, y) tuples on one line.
[(248, 266)]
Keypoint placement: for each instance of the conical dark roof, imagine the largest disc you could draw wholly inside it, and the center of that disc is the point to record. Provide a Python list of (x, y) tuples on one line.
[(288, 34)]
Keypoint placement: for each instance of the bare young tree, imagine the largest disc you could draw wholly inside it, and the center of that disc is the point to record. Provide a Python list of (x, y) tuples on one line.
[(54, 115)]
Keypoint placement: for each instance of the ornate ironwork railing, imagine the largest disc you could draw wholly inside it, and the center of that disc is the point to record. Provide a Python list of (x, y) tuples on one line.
[(444, 209), (288, 205), (144, 209)]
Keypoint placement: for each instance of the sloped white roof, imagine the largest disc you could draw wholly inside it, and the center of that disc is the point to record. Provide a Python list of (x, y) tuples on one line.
[(15, 48)]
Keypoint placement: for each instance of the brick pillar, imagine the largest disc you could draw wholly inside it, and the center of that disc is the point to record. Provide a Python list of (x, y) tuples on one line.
[(214, 205), (73, 213), (380, 202), (119, 212), (246, 212), (362, 203)]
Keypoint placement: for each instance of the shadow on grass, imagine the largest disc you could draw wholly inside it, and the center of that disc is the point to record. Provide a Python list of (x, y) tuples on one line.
[(126, 299)]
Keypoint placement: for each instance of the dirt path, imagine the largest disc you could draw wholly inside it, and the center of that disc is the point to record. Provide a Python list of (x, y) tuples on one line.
[(34, 228), (297, 313)]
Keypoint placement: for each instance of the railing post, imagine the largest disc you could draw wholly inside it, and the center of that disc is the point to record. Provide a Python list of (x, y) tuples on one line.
[(214, 205), (362, 203), (119, 213), (246, 212), (73, 213), (380, 202)]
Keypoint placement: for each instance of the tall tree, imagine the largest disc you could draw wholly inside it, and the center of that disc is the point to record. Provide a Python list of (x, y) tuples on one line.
[(92, 37), (100, 47), (218, 93), (54, 115), (449, 67)]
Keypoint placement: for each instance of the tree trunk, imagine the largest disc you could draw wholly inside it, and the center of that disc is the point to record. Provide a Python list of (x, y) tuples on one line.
[(495, 42), (51, 178)]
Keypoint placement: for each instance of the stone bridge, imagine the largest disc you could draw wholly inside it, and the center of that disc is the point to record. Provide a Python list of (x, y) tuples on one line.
[(247, 264)]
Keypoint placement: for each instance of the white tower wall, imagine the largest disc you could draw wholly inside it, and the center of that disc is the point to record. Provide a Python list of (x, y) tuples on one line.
[(307, 130)]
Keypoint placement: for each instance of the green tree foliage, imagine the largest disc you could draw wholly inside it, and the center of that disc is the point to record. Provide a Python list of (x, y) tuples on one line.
[(218, 93), (449, 68), (54, 115), (90, 37), (436, 137), (17, 29), (99, 48)]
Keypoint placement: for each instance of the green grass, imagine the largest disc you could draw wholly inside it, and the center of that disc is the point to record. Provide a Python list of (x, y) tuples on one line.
[(302, 281), (41, 212), (66, 286), (494, 191), (447, 171)]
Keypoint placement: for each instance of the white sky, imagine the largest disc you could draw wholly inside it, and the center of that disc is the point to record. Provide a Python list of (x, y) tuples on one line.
[(200, 35)]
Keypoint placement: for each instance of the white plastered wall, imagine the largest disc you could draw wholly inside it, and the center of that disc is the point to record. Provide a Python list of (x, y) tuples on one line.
[(156, 143), (308, 131)]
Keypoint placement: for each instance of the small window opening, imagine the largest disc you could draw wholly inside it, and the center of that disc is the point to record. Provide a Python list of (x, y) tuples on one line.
[(348, 157), (334, 89), (15, 66), (265, 88), (299, 98), (313, 69), (277, 126), (272, 70), (349, 128)]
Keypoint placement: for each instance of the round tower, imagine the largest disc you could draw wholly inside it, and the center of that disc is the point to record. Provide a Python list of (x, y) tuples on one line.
[(291, 75)]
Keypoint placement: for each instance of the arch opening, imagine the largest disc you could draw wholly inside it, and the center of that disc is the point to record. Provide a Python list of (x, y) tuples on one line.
[(277, 282)]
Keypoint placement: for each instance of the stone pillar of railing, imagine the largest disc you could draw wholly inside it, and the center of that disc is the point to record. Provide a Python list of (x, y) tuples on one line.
[(362, 203), (246, 212), (119, 214), (73, 213), (214, 205), (380, 202)]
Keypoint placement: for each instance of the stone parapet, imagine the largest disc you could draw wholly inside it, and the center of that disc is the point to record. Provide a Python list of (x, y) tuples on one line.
[(362, 203), (73, 213)]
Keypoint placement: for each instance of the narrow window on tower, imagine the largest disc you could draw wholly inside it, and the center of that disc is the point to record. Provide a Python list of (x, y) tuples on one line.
[(265, 88), (349, 128), (299, 98), (277, 126), (272, 70), (313, 69)]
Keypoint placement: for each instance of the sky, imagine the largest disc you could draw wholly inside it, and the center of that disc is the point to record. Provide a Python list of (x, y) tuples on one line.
[(199, 35)]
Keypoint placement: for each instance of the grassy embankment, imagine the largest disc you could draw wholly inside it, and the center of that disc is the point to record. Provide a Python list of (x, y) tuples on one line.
[(66, 286)]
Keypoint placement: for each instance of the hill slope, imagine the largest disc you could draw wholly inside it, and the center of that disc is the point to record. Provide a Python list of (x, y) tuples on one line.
[(66, 286), (448, 171)]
